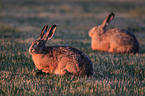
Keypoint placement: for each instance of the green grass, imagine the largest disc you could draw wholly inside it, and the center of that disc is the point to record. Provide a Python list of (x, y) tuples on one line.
[(114, 74)]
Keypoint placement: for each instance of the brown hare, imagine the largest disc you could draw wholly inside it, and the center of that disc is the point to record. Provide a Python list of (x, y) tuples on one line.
[(113, 40), (59, 60)]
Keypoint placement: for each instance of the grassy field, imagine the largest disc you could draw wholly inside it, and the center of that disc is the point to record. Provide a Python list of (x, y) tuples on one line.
[(114, 74)]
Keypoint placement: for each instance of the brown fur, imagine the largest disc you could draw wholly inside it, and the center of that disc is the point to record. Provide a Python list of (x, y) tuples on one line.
[(60, 59), (113, 40)]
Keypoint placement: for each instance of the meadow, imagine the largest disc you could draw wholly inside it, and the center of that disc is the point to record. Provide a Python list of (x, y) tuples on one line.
[(114, 74)]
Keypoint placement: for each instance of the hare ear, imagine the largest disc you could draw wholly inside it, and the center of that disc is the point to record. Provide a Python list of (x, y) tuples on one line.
[(43, 31), (108, 19), (49, 34)]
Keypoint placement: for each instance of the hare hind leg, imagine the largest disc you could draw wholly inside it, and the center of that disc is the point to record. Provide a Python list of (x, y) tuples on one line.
[(124, 49), (66, 66)]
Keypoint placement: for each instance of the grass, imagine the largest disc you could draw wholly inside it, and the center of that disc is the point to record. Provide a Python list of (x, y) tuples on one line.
[(114, 74)]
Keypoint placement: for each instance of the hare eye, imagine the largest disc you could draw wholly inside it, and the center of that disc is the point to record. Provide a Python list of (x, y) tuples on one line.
[(96, 28), (38, 44)]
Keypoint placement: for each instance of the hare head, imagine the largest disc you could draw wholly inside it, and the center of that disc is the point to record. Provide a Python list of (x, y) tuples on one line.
[(98, 30), (38, 46)]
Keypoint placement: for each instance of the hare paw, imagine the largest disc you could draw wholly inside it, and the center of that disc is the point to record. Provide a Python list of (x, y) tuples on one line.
[(38, 72)]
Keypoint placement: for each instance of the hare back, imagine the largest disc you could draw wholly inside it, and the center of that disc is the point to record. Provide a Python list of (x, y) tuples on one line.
[(63, 59), (123, 41), (115, 40)]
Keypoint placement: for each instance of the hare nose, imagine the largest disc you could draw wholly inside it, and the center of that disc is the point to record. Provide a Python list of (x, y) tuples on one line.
[(32, 50)]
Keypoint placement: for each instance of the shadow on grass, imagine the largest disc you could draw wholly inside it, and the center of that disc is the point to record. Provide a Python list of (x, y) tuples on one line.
[(142, 49)]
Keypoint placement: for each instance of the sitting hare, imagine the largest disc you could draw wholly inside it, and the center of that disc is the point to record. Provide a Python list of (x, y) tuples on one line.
[(59, 60), (113, 40)]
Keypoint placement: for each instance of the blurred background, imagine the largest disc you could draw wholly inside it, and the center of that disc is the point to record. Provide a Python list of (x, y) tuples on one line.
[(73, 17)]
